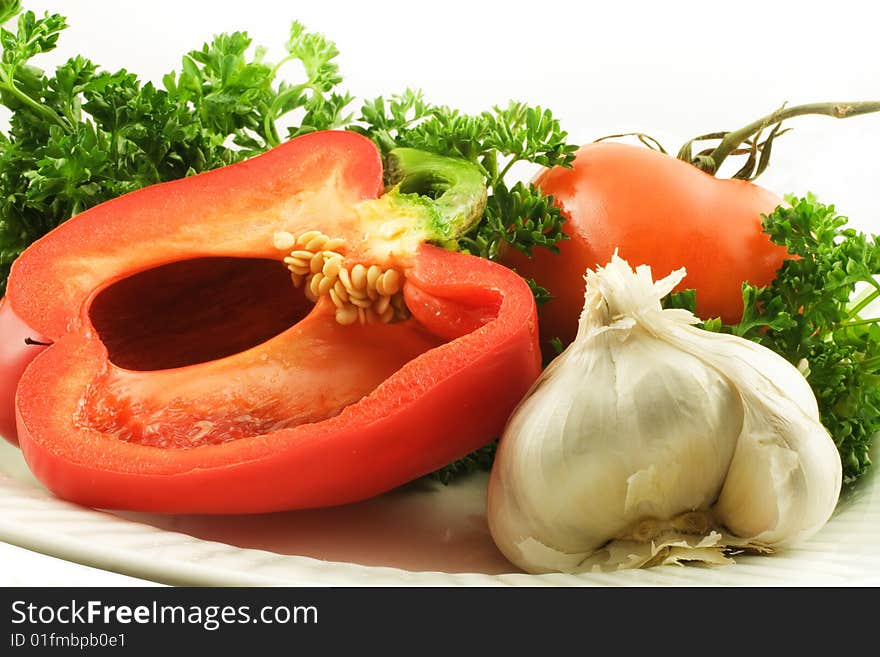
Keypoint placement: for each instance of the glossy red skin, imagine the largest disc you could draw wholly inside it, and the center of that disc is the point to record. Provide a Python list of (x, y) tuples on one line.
[(436, 407), (15, 355), (655, 210)]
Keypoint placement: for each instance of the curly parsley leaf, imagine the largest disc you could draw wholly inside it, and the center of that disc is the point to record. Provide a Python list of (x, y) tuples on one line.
[(541, 294), (324, 108), (386, 121), (480, 460), (235, 94), (521, 217), (527, 134), (8, 9)]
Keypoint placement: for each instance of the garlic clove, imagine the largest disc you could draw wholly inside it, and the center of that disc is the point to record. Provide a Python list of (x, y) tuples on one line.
[(784, 481)]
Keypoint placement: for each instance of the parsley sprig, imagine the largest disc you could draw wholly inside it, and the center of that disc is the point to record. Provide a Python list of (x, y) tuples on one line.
[(480, 460)]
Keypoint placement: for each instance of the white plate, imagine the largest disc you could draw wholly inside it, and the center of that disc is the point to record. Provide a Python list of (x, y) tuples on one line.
[(424, 534)]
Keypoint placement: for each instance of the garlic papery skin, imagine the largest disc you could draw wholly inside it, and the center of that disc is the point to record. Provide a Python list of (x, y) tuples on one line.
[(651, 441)]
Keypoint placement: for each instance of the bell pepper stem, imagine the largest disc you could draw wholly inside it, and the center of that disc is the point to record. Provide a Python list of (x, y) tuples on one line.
[(452, 190)]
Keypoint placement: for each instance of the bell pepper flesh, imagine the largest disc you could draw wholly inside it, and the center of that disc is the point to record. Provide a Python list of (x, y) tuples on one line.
[(306, 415)]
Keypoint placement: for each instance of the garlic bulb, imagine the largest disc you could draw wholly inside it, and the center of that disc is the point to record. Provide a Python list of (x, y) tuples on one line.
[(652, 441)]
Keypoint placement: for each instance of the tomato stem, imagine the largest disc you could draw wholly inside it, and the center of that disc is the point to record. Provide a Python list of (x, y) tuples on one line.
[(731, 142)]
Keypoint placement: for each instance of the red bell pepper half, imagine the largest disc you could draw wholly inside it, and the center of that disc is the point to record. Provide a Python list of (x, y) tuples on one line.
[(275, 334)]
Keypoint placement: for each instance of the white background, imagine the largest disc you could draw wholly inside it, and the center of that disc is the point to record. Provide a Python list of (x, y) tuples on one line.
[(673, 70)]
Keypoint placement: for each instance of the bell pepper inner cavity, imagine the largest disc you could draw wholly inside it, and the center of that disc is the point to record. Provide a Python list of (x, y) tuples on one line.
[(193, 311)]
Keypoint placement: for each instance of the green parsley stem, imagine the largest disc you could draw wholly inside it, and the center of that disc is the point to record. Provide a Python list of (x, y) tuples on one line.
[(9, 85), (274, 111), (859, 322), (871, 364), (864, 302), (278, 66), (270, 132), (507, 167)]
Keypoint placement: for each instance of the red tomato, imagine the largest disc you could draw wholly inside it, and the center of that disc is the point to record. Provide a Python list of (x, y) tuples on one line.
[(655, 210), (17, 350)]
